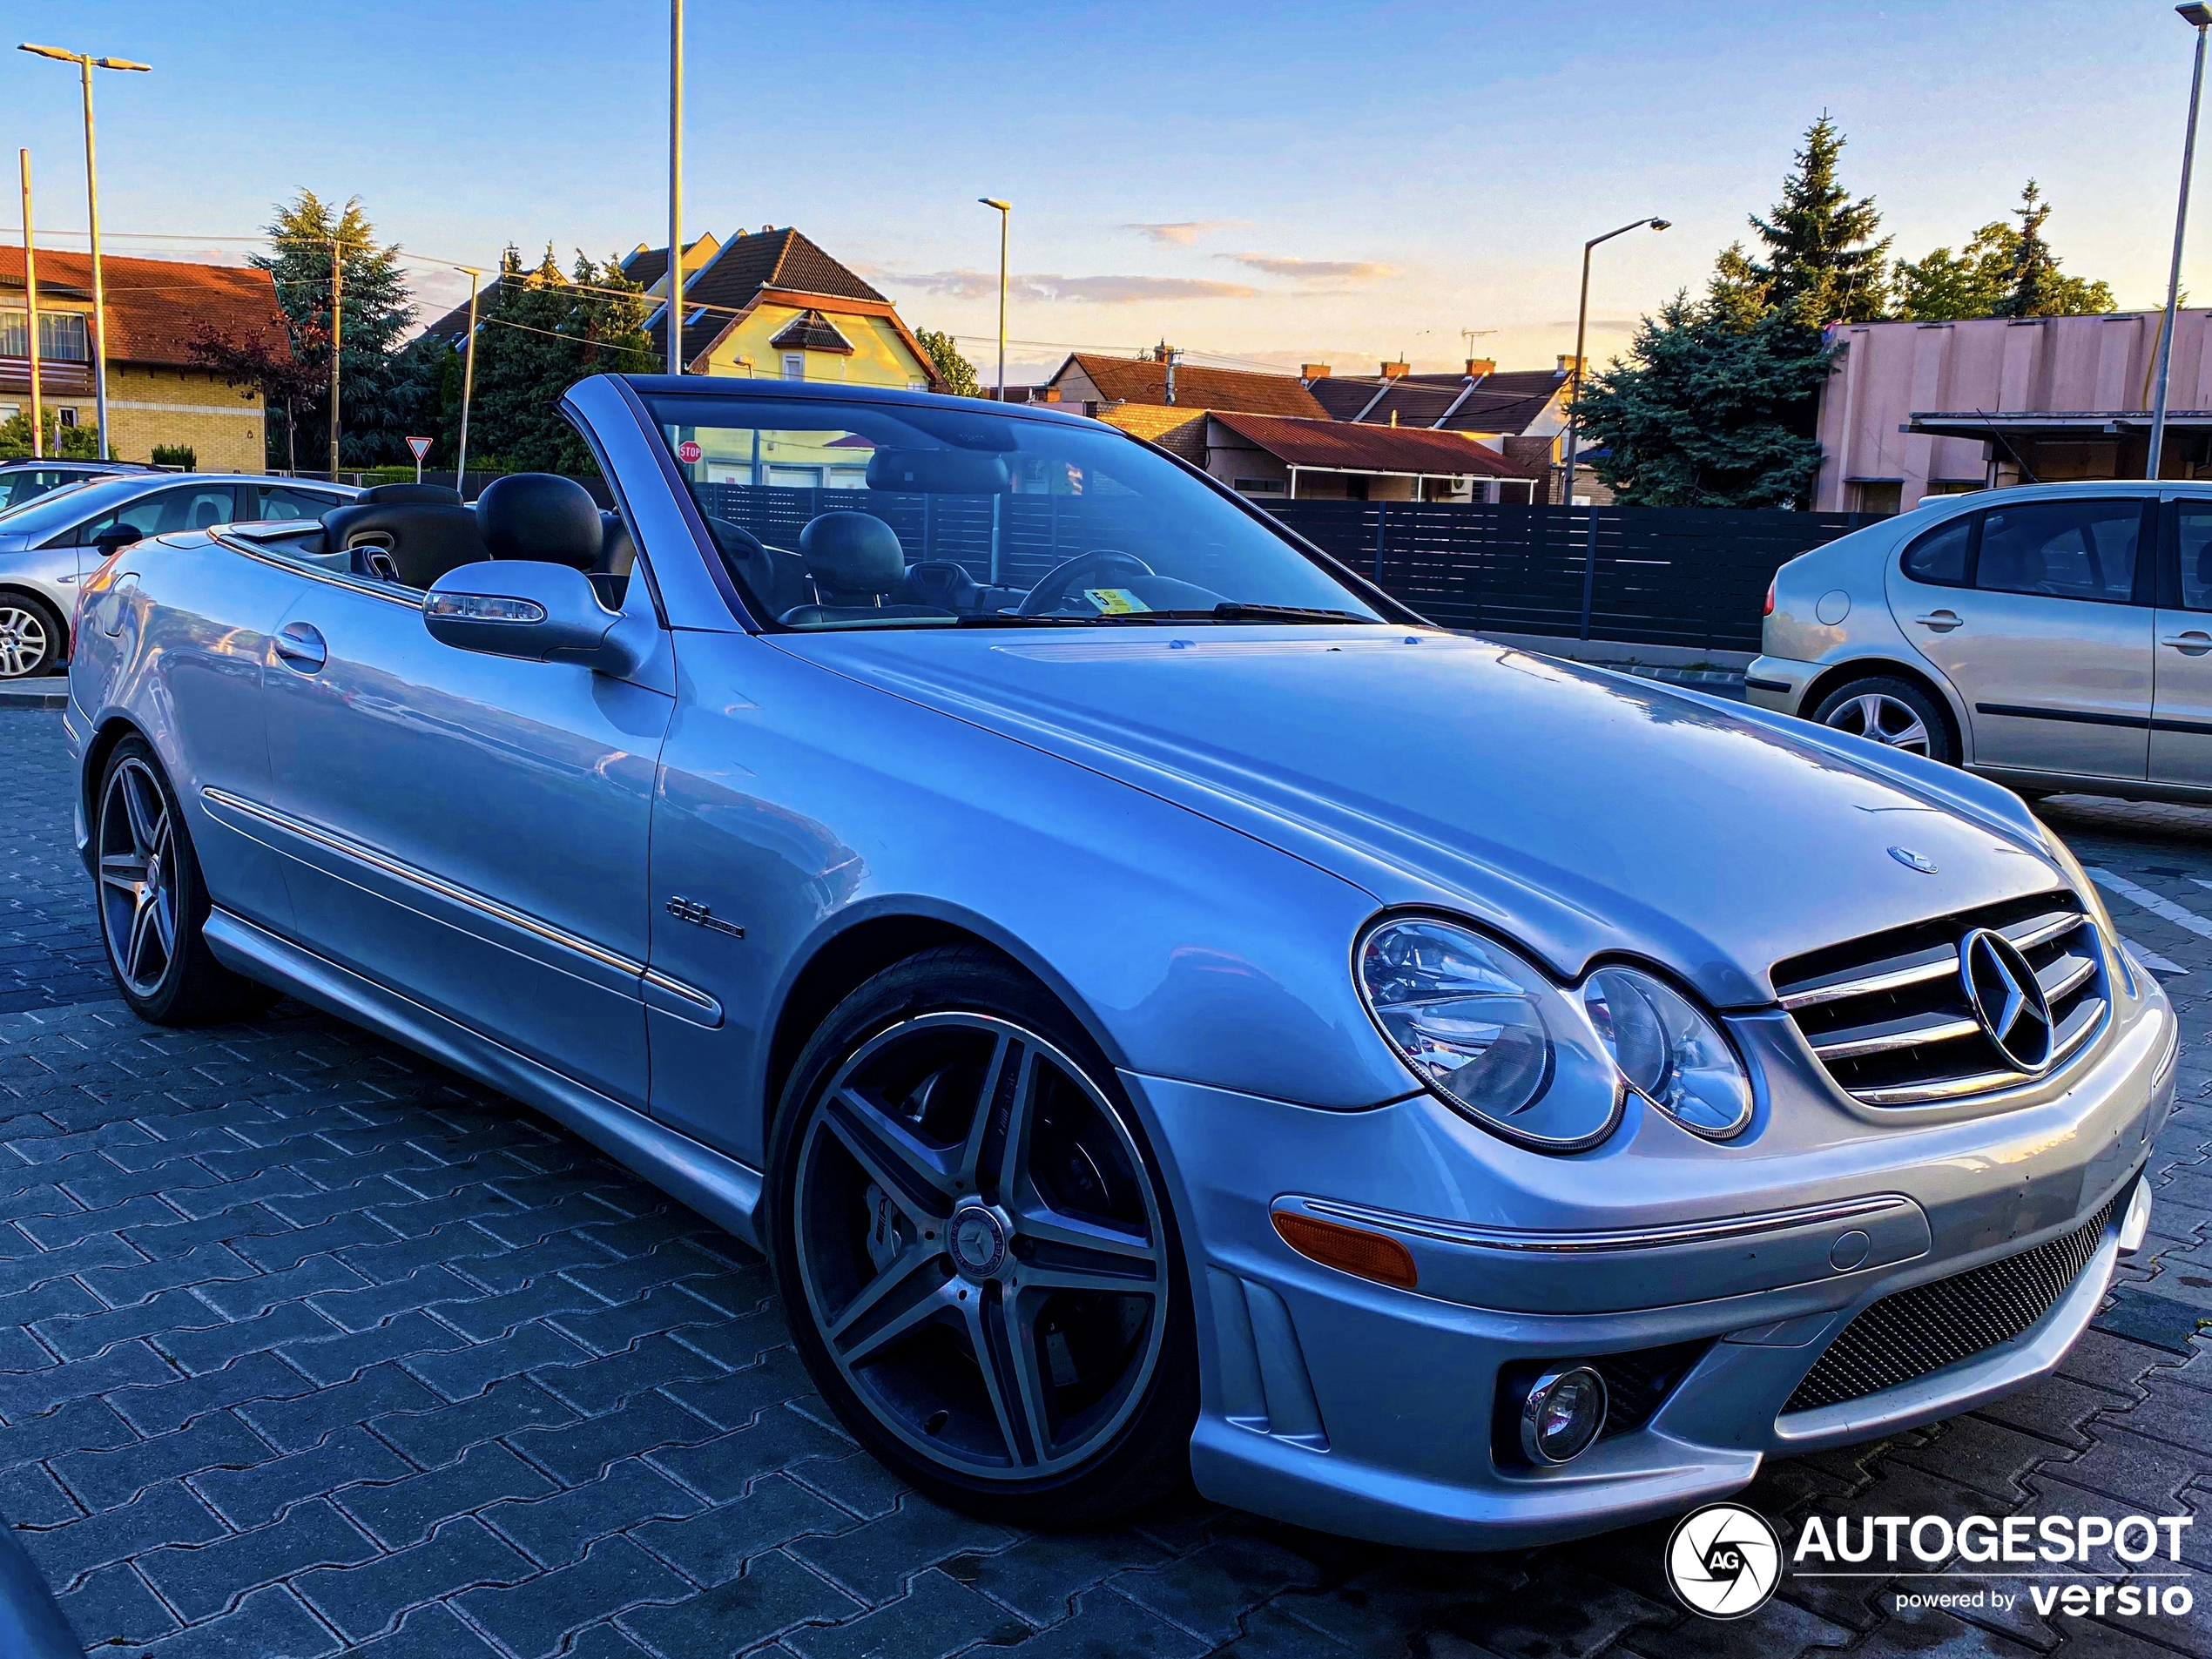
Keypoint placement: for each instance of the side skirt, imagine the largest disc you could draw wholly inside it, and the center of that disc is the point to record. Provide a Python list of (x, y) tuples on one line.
[(717, 1186)]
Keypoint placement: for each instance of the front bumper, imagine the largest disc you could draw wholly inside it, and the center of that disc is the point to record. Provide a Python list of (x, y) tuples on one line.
[(1778, 682), (1347, 1405)]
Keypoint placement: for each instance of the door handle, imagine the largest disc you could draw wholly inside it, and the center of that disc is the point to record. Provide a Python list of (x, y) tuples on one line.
[(117, 601), (301, 644), (1942, 621), (2195, 642)]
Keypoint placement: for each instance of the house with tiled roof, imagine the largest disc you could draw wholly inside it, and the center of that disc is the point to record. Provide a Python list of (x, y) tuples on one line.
[(1273, 457), (1522, 413), (156, 393), (1162, 398)]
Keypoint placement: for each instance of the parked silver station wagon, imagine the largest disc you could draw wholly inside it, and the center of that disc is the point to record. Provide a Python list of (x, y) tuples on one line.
[(2057, 637), (1165, 1011)]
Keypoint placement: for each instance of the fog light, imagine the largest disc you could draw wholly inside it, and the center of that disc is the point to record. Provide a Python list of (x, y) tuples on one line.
[(1561, 1414)]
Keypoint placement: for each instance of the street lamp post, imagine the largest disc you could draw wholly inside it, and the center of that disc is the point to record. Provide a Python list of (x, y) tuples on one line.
[(675, 187), (30, 303), (1581, 325), (468, 387), (2199, 17), (1006, 210), (92, 202)]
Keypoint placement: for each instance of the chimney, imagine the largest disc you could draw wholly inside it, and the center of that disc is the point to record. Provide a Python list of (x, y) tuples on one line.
[(1568, 364), (1160, 352), (1479, 366), (1313, 371), (1393, 371)]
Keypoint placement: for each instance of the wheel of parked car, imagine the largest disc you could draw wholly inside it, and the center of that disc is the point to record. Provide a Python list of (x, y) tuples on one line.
[(1892, 711), (152, 900), (975, 1249), (32, 638)]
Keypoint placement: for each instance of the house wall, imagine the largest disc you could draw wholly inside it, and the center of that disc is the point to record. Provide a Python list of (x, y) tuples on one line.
[(879, 357), (224, 427), (1888, 371), (1181, 430)]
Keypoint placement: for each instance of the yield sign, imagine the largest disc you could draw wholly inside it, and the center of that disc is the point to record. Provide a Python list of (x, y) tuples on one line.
[(422, 448)]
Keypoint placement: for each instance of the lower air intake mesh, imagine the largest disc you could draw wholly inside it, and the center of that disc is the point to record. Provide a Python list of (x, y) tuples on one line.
[(1929, 1326)]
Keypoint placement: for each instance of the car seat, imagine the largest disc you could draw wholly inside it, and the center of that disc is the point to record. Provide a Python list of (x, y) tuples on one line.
[(411, 539), (855, 560)]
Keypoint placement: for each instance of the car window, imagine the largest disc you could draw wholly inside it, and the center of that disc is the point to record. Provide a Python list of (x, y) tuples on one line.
[(2067, 550), (288, 501), (1940, 555), (831, 513), (2193, 520), (196, 506)]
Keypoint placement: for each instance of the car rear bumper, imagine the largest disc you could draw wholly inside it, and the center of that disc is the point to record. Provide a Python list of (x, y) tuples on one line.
[(1334, 1402), (1778, 682)]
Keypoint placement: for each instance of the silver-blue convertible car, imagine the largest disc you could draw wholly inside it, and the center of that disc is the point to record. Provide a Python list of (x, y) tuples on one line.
[(1165, 1011)]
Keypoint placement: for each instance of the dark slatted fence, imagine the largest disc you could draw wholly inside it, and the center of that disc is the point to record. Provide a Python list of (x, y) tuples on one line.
[(1654, 576)]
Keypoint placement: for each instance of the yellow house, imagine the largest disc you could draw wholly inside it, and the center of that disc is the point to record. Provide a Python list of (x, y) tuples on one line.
[(771, 305)]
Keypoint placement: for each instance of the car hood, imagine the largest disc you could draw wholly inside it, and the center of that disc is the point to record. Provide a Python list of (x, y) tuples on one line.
[(1578, 812)]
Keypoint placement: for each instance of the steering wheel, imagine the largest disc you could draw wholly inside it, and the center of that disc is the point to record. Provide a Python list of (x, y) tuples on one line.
[(1052, 587)]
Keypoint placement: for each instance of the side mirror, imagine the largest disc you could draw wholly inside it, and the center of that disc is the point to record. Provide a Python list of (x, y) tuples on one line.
[(116, 537), (541, 613)]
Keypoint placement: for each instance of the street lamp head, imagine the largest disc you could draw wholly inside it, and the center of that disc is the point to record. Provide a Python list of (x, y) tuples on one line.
[(2197, 16), (993, 201), (1662, 223), (120, 62), (53, 51)]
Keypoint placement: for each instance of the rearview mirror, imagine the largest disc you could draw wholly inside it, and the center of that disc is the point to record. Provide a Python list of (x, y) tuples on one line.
[(541, 613), (116, 537)]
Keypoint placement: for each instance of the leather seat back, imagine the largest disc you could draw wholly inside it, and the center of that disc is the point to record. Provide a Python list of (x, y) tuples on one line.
[(413, 542), (542, 516), (853, 558)]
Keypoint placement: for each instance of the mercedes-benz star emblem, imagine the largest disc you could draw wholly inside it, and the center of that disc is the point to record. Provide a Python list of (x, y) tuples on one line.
[(1724, 1560), (979, 1242), (1912, 861), (2006, 998)]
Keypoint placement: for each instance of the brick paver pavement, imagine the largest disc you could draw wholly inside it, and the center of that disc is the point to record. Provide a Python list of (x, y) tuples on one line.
[(311, 1346)]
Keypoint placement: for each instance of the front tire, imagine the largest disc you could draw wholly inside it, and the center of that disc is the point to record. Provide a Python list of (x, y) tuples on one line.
[(975, 1252), (32, 638), (1893, 712), (152, 900)]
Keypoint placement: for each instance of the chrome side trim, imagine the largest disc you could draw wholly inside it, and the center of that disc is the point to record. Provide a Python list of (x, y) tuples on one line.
[(1895, 981), (413, 875), (316, 573), (1601, 1242)]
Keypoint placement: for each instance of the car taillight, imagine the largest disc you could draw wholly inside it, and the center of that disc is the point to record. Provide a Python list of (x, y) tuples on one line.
[(1768, 611)]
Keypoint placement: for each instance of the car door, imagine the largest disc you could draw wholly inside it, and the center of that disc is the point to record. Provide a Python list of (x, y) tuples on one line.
[(2180, 730), (470, 829), (2039, 613)]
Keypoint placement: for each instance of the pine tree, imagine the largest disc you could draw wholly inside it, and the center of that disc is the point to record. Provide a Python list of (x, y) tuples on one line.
[(2003, 272), (1821, 263), (379, 395), (2036, 287)]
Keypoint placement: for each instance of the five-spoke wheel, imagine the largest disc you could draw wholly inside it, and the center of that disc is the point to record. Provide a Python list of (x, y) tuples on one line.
[(30, 638), (1892, 713), (976, 1247)]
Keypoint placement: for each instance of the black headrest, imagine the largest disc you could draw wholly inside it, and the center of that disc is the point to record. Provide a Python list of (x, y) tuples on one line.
[(540, 516), (420, 539), (446, 494), (938, 472), (853, 553)]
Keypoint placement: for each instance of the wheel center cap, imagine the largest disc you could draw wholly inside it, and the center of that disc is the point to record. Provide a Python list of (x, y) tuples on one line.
[(979, 1242)]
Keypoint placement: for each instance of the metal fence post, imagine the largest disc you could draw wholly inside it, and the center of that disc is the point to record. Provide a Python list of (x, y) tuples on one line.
[(1589, 571), (1382, 517)]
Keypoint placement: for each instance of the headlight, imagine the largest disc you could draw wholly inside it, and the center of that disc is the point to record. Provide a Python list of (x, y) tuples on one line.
[(2093, 900), (1490, 1034), (1670, 1052)]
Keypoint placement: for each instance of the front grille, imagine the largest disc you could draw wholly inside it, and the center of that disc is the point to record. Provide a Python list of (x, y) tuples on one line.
[(1888, 1015), (1929, 1326)]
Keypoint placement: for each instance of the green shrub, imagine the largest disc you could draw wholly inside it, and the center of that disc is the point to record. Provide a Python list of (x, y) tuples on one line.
[(180, 455)]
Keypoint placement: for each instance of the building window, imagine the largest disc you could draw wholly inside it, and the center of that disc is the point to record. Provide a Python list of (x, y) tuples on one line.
[(62, 338), (912, 386), (1260, 486), (794, 365), (67, 416), (1886, 496)]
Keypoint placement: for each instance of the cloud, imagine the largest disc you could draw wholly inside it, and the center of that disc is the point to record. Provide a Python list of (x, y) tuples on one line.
[(1181, 232), (1283, 265), (1093, 290)]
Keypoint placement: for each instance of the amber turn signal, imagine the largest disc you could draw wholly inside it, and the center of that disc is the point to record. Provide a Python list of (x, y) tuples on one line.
[(1349, 1250)]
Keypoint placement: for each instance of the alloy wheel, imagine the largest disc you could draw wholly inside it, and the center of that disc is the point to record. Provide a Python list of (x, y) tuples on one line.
[(980, 1246), (1881, 718), (23, 640), (138, 876)]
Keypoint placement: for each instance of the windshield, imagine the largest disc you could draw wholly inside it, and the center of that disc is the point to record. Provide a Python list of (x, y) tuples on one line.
[(60, 509), (834, 515)]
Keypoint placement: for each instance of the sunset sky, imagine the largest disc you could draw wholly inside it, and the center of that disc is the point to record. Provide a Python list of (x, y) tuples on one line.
[(1261, 184)]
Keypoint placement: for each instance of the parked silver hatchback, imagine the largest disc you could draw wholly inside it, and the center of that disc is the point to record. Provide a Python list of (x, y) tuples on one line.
[(2056, 637)]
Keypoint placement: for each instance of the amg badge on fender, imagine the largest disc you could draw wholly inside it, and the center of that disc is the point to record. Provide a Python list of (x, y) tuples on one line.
[(691, 910)]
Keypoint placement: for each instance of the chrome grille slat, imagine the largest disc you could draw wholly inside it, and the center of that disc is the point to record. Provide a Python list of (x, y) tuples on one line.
[(1891, 1017)]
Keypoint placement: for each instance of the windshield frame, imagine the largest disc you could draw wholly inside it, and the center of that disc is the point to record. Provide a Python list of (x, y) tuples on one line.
[(635, 388)]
